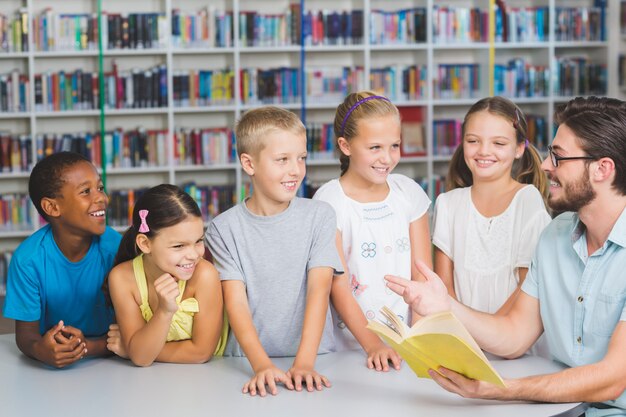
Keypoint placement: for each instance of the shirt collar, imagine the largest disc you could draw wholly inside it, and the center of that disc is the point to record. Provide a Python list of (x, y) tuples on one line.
[(617, 235)]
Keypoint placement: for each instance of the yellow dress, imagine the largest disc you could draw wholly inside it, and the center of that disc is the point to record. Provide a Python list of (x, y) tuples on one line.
[(181, 326)]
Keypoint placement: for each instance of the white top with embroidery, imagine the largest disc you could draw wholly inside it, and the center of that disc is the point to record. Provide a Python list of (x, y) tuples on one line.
[(375, 243), (487, 251)]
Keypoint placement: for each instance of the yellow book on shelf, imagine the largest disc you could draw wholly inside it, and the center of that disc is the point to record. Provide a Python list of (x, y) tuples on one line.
[(434, 341)]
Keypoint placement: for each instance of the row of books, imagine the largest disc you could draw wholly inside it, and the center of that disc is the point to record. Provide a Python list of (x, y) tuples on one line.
[(520, 79), (580, 23), (15, 212), (457, 81), (137, 88), (460, 24), (14, 92), (521, 24), (203, 87), (398, 27), (205, 28), (62, 91), (314, 27), (134, 30), (212, 200), (14, 32), (54, 31), (330, 27), (214, 146), (270, 86), (447, 134), (136, 148), (332, 84), (400, 82), (65, 32), (209, 27), (264, 29), (16, 153), (579, 76), (320, 141), (80, 90)]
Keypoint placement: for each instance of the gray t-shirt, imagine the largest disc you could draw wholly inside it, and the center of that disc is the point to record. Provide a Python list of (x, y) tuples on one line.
[(272, 256)]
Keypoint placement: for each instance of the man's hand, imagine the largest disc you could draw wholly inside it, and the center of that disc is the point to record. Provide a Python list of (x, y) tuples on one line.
[(424, 297), (465, 387)]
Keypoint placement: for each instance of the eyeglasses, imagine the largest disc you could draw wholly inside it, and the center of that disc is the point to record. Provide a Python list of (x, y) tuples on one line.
[(555, 158)]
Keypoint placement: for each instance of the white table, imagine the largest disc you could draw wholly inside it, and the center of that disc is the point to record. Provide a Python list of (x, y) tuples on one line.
[(114, 387)]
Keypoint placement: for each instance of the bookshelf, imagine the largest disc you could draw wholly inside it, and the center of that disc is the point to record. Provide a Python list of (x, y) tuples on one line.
[(427, 54)]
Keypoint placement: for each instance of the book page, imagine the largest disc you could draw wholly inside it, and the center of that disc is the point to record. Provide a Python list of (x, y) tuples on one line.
[(446, 323)]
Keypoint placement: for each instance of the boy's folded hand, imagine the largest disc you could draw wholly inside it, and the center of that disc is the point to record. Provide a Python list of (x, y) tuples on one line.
[(59, 351)]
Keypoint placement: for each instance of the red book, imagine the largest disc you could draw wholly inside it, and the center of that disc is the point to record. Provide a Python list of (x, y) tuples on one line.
[(197, 146)]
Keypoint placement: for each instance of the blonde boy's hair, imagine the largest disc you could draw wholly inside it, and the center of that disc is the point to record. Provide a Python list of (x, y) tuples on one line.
[(255, 124)]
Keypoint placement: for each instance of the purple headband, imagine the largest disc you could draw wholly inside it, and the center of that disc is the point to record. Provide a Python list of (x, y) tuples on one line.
[(355, 105)]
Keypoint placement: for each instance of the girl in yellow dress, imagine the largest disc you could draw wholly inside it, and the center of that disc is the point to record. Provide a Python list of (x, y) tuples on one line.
[(167, 297)]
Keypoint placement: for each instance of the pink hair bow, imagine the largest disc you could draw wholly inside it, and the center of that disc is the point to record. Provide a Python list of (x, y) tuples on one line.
[(143, 227)]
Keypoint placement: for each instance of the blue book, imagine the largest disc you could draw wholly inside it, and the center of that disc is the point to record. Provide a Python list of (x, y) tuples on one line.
[(163, 86), (602, 5)]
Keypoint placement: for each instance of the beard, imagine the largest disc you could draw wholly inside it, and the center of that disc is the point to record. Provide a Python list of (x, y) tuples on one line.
[(576, 195)]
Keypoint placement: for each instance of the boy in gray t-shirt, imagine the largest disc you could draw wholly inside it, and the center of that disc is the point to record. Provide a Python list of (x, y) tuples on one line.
[(276, 256)]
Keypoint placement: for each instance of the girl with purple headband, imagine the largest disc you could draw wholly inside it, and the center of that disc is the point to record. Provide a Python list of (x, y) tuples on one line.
[(486, 226), (382, 222), (167, 297)]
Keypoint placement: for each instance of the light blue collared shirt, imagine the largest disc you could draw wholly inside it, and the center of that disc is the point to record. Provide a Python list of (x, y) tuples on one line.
[(581, 296)]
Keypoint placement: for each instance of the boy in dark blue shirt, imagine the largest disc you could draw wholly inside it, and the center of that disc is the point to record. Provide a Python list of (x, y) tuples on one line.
[(55, 275)]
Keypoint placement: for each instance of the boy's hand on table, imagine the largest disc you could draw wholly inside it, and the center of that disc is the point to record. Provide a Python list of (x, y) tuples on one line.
[(267, 376), (308, 377)]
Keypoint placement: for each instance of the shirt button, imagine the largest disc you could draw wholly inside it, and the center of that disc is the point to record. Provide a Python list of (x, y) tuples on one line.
[(579, 339), (580, 298)]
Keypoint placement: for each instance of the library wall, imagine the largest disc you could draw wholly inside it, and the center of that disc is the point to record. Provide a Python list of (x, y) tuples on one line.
[(171, 78)]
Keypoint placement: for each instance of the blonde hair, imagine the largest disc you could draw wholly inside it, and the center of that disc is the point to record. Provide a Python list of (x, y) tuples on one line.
[(255, 124), (356, 107), (526, 170)]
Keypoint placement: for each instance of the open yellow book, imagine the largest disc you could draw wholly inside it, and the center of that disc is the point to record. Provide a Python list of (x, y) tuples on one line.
[(433, 341)]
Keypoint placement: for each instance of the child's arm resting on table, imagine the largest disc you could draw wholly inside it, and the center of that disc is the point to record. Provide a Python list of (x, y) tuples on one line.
[(240, 319), (207, 323), (142, 341), (319, 282), (378, 354)]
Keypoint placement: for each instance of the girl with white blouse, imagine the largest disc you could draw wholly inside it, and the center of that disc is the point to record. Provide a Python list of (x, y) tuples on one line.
[(382, 223), (486, 227)]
